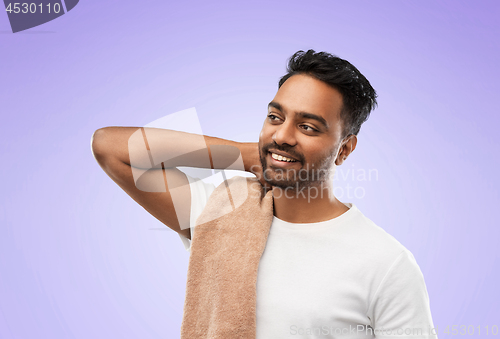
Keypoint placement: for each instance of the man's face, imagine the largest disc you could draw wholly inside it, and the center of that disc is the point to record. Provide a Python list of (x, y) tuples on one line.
[(303, 125)]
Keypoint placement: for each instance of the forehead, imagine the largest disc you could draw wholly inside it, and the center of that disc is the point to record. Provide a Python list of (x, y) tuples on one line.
[(307, 94)]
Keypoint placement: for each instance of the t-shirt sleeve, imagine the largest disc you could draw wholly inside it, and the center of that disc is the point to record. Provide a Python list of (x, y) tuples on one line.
[(400, 307), (200, 192)]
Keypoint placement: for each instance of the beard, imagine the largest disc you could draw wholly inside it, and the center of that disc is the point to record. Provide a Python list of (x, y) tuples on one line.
[(314, 174)]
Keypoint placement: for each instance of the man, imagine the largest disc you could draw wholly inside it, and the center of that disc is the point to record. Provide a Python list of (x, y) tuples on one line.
[(327, 270)]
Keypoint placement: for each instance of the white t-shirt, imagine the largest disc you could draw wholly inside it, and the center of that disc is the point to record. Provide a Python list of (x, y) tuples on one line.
[(341, 278)]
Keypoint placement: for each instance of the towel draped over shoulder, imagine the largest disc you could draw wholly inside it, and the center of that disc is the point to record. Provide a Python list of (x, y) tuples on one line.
[(231, 235)]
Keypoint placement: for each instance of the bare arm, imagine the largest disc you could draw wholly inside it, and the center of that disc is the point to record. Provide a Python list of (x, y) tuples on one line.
[(143, 161)]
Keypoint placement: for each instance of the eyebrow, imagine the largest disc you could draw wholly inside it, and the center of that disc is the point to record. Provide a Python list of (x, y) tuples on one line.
[(301, 114)]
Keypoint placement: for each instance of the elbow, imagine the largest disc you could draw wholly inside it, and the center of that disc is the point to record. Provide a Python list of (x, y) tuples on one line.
[(97, 143)]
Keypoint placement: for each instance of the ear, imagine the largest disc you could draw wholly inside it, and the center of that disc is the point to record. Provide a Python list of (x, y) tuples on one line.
[(347, 145)]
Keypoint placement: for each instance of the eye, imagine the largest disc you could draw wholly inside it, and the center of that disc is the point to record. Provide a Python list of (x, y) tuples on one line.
[(273, 117), (308, 128)]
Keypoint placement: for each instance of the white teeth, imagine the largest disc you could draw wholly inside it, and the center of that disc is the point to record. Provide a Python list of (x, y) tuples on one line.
[(281, 158)]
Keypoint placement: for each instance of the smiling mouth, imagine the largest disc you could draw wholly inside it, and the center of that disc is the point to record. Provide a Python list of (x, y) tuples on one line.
[(281, 158)]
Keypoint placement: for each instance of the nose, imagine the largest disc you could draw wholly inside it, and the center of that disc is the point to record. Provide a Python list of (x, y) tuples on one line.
[(285, 134)]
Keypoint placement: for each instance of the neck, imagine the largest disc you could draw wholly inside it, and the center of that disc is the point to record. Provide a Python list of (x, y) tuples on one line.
[(307, 205)]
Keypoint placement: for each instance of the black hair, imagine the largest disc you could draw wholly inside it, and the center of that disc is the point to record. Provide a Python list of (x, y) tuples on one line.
[(359, 97)]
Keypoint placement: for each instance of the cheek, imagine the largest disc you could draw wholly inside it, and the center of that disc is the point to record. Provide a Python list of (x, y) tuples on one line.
[(263, 138), (266, 134), (316, 153)]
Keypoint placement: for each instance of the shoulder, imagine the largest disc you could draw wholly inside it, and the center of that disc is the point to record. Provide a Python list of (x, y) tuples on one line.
[(373, 242), (388, 265)]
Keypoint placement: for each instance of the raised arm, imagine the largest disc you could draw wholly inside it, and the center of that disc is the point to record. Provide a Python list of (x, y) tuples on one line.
[(143, 161)]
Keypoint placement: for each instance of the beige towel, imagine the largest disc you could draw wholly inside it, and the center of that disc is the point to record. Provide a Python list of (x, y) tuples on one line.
[(225, 253)]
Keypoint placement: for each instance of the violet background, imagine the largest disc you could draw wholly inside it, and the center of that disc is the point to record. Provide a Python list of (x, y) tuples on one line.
[(80, 259)]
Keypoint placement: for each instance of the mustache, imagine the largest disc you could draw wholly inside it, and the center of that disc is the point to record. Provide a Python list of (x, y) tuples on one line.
[(284, 148)]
